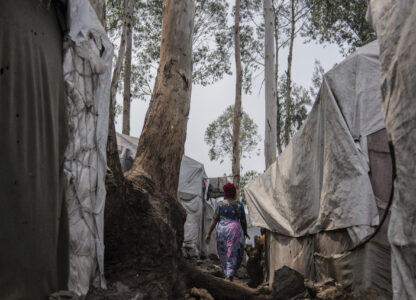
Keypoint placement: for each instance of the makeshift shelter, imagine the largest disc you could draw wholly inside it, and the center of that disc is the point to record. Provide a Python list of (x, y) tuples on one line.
[(88, 55), (33, 131), (329, 189), (54, 117), (395, 23), (191, 194)]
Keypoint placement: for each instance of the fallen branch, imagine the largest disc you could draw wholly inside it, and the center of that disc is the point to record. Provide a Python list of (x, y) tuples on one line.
[(217, 287)]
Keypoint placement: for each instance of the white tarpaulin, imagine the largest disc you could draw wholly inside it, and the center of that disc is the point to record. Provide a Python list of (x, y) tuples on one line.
[(191, 176), (88, 55), (329, 186), (320, 182), (395, 24), (127, 147)]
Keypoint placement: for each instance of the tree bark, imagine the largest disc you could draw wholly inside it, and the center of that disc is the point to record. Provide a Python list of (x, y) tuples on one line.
[(161, 144), (113, 160), (270, 85), (144, 221), (278, 108), (237, 104), (217, 287), (127, 78), (288, 120)]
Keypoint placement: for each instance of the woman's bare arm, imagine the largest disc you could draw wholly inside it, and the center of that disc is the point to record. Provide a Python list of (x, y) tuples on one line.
[(211, 228)]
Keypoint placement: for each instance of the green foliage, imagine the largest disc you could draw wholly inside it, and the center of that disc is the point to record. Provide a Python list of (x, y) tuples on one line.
[(298, 110), (219, 133), (318, 73), (339, 21), (251, 41), (246, 178), (211, 41)]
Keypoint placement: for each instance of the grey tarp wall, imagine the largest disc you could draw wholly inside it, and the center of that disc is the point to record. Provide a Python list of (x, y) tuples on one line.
[(33, 127), (320, 182), (190, 194), (318, 196), (395, 24), (87, 73)]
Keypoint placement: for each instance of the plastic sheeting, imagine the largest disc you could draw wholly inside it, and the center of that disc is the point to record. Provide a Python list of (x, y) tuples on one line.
[(199, 215), (33, 127), (343, 138), (395, 23), (87, 62), (191, 176), (127, 147), (295, 253), (326, 254), (320, 182)]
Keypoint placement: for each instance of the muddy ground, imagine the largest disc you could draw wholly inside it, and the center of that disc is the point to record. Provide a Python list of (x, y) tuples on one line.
[(124, 285)]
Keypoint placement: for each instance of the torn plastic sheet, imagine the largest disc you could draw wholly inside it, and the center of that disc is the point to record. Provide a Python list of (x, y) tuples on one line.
[(395, 23), (87, 62), (320, 182)]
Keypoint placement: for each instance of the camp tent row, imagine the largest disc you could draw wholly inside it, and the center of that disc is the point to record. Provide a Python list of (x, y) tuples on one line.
[(329, 189)]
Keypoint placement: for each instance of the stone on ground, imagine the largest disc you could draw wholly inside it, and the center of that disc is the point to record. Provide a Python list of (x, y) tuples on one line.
[(288, 284)]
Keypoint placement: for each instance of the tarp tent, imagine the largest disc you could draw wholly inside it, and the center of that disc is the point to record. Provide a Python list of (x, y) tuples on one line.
[(88, 55), (190, 193), (55, 102), (33, 131), (327, 190), (395, 23), (199, 211)]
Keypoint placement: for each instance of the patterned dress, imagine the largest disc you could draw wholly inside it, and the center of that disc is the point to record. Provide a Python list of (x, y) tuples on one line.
[(230, 236)]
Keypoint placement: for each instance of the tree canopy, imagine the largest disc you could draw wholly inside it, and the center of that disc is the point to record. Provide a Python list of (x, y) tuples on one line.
[(300, 100), (246, 178), (211, 42), (218, 136), (341, 22)]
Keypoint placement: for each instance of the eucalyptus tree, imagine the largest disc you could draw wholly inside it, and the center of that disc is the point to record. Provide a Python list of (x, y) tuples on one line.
[(237, 103), (161, 144), (219, 136), (270, 84), (144, 220), (341, 22), (127, 75), (295, 13), (290, 17), (246, 178), (211, 44), (296, 112), (113, 160), (318, 73)]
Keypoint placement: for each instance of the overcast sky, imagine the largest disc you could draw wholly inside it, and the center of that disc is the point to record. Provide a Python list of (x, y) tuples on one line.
[(207, 103)]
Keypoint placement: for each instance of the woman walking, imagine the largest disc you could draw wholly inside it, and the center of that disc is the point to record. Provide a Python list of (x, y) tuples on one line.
[(231, 230)]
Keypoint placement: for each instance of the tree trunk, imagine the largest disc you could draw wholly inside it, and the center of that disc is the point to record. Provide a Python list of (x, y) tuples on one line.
[(288, 121), (127, 79), (270, 85), (217, 287), (161, 144), (113, 160), (237, 104), (144, 223), (278, 108)]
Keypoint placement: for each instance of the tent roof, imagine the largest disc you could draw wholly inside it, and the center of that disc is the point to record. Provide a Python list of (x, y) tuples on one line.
[(191, 173), (320, 182)]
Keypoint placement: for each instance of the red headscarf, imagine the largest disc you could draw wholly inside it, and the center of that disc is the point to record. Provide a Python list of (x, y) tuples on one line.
[(229, 190)]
